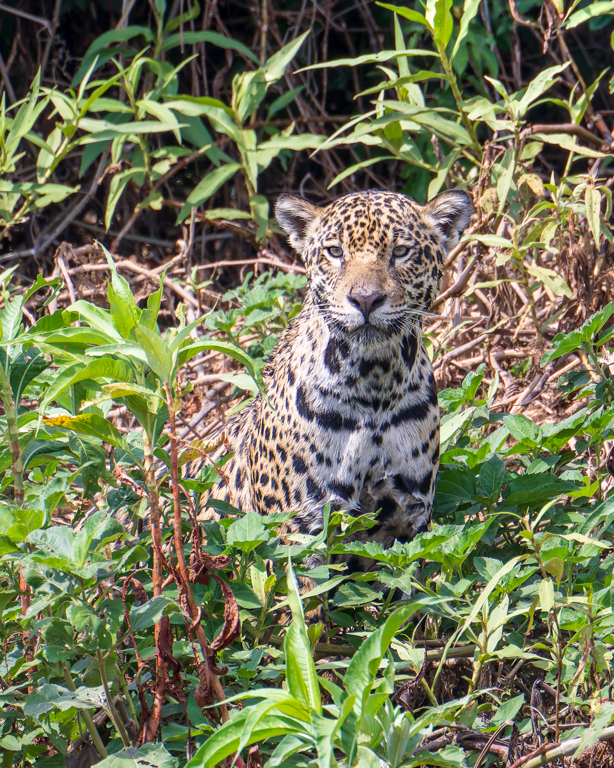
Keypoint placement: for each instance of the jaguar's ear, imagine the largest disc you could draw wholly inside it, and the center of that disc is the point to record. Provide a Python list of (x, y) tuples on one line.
[(296, 216), (450, 213)]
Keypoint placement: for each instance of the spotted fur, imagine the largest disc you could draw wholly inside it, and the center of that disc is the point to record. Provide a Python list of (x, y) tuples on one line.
[(352, 415)]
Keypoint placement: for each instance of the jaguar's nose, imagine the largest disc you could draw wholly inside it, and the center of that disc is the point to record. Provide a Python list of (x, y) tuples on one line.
[(366, 300)]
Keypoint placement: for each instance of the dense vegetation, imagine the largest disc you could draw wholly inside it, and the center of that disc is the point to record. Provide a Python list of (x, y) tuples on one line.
[(131, 634)]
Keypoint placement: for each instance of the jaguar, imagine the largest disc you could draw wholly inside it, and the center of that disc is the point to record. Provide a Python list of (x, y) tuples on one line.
[(350, 415)]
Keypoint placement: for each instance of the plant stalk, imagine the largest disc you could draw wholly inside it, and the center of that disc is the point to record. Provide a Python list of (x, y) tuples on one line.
[(115, 718), (10, 411), (89, 723), (180, 552)]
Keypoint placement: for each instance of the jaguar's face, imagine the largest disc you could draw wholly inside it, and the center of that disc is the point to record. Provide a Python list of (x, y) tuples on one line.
[(374, 259)]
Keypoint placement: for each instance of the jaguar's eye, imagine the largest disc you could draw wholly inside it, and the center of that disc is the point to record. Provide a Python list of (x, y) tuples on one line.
[(335, 251), (400, 250)]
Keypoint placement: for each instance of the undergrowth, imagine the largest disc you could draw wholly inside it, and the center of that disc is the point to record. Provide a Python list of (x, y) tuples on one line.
[(129, 626)]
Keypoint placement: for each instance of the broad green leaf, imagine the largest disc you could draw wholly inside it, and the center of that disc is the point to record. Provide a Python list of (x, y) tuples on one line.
[(295, 143), (535, 490), (358, 167), (438, 14), (24, 369), (226, 739), (551, 280), (363, 667), (188, 352), (159, 357), (491, 476), (145, 756), (508, 710), (226, 213), (300, 668), (96, 317), (48, 696), (148, 614), (326, 730), (521, 428), (259, 206), (90, 424), (562, 344), (105, 368), (546, 595), (247, 533)]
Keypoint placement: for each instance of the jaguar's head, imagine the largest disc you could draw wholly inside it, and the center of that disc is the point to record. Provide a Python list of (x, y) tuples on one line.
[(374, 259)]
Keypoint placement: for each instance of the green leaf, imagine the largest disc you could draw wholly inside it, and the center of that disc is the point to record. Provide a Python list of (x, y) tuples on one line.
[(522, 429), (600, 8), (49, 696), (112, 36), (96, 317), (491, 476), (146, 756), (406, 13), (247, 533), (24, 369), (105, 368), (188, 352), (494, 241), (539, 85), (535, 490), (508, 710), (211, 183), (148, 614), (295, 143), (470, 10), (358, 167), (438, 14), (275, 66), (159, 358), (551, 280), (300, 668), (505, 180), (592, 201), (364, 666), (546, 595), (19, 526), (193, 38), (567, 142), (562, 344), (124, 310), (116, 189), (225, 740), (259, 206), (226, 213), (370, 58), (90, 424)]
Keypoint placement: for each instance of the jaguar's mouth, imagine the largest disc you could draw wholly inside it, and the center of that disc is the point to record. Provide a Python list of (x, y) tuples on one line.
[(369, 332)]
